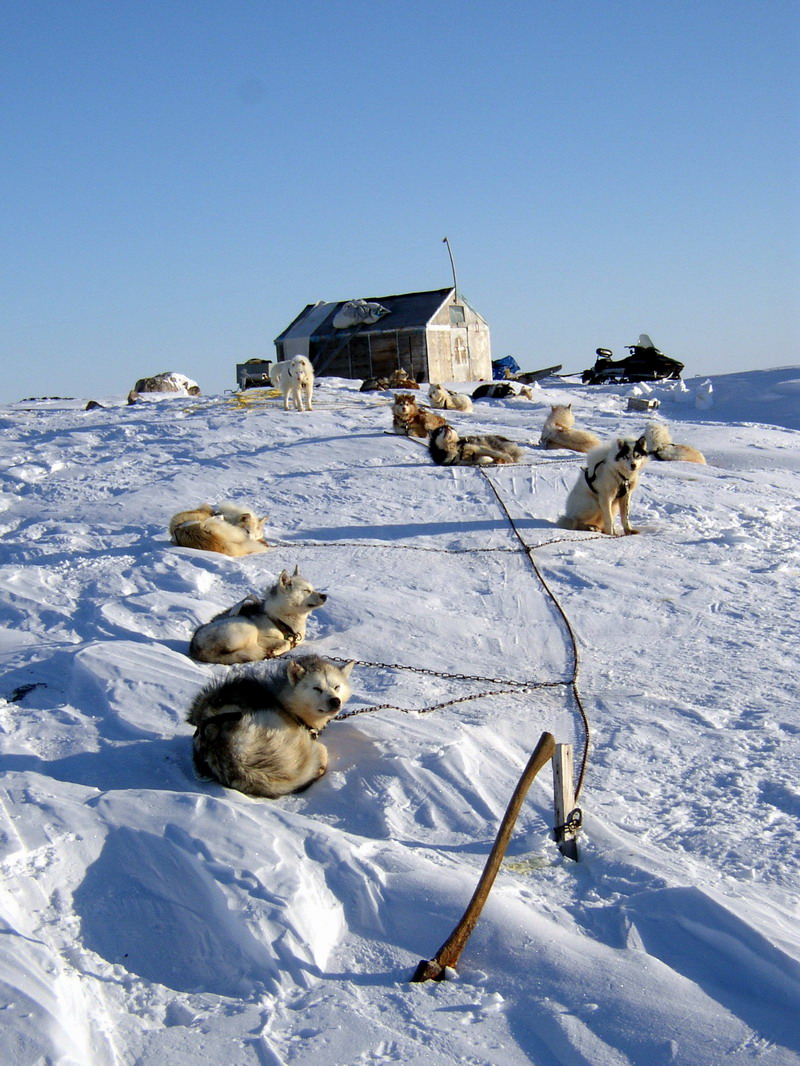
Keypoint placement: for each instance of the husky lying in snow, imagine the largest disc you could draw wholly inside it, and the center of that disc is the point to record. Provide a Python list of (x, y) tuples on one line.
[(412, 420), (257, 732), (558, 431), (259, 627), (660, 446), (604, 487), (226, 529), (445, 400), (501, 390), (401, 379), (448, 449), (294, 378)]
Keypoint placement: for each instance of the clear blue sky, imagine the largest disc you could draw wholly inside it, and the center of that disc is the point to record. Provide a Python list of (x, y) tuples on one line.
[(182, 176)]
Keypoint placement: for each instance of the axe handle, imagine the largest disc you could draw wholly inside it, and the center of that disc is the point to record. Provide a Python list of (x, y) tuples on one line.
[(450, 952)]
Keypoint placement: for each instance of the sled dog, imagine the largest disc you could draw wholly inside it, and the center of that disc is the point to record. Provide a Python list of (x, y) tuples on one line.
[(558, 431), (259, 627), (501, 390), (448, 449), (257, 731), (412, 420), (294, 378), (227, 529), (660, 446), (445, 400), (604, 487), (402, 379)]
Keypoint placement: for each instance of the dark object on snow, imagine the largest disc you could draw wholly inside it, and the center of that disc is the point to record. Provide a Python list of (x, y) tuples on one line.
[(498, 391), (23, 690), (507, 367), (645, 363), (92, 405), (529, 376), (168, 381)]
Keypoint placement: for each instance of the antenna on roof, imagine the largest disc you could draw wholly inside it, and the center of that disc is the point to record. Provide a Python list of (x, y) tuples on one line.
[(453, 265)]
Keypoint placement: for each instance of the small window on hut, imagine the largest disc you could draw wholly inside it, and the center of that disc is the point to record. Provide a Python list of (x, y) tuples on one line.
[(456, 315)]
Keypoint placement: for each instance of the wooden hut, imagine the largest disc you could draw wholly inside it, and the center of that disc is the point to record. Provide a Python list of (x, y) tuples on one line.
[(433, 336)]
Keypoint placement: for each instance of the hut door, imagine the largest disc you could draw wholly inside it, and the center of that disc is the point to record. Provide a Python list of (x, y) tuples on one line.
[(459, 353)]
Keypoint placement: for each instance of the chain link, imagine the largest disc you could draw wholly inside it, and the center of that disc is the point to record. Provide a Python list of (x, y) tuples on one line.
[(513, 688)]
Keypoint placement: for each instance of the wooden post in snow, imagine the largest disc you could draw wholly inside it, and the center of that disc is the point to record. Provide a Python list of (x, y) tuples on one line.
[(450, 952), (568, 816)]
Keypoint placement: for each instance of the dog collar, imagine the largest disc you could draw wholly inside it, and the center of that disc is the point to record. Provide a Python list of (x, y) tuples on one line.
[(287, 632), (312, 732)]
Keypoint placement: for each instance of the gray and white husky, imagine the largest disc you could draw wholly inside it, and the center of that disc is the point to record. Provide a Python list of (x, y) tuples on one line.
[(604, 487), (258, 731), (259, 627), (446, 448)]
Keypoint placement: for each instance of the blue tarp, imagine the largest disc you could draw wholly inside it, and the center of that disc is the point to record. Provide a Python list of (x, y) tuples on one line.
[(500, 366)]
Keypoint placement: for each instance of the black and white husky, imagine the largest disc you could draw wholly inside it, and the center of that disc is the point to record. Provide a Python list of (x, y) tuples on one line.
[(258, 731), (448, 449), (259, 627), (604, 487)]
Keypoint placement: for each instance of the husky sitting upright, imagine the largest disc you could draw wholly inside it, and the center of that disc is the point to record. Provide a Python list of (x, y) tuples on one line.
[(294, 378), (226, 529), (259, 627), (660, 446), (446, 448), (604, 487), (410, 419), (558, 431), (445, 400), (257, 732)]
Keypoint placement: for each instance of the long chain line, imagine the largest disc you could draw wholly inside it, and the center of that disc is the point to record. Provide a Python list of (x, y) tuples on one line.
[(529, 549), (513, 687), (518, 686)]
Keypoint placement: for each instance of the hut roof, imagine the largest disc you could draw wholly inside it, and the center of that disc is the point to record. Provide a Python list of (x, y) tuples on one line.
[(406, 311)]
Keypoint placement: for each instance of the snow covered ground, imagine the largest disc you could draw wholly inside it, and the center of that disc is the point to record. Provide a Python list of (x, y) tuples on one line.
[(151, 918)]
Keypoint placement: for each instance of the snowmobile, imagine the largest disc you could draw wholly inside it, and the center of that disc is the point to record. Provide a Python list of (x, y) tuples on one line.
[(645, 363)]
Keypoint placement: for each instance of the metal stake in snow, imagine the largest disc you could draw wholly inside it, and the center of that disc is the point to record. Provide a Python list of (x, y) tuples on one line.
[(450, 952)]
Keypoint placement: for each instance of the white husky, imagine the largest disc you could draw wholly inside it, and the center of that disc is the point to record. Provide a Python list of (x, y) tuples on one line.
[(660, 446), (294, 378), (604, 487), (227, 528), (257, 731), (445, 400), (559, 431), (259, 627)]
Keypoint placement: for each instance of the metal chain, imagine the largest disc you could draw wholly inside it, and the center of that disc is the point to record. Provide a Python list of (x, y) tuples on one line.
[(445, 703), (522, 685)]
